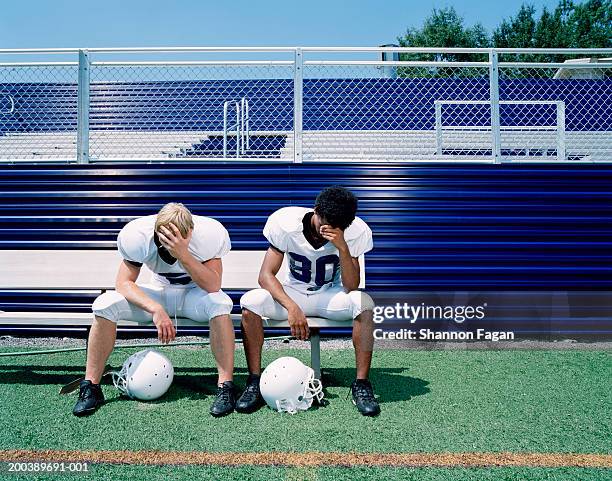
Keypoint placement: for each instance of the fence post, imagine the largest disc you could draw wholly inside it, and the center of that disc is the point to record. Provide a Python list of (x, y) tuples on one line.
[(298, 105), (561, 131), (238, 130), (438, 108), (83, 109), (494, 94)]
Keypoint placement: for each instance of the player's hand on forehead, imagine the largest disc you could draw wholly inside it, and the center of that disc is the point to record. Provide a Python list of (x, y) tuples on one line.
[(170, 230), (323, 223), (328, 229), (166, 232), (171, 238), (170, 234), (335, 235)]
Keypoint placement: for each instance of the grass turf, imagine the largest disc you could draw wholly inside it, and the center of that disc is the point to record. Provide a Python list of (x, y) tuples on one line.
[(433, 401), (163, 473)]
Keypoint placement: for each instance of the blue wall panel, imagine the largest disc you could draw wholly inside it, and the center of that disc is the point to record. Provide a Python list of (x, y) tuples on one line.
[(442, 227), (435, 227)]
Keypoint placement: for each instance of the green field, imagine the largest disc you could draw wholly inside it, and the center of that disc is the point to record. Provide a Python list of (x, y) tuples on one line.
[(141, 473), (432, 402)]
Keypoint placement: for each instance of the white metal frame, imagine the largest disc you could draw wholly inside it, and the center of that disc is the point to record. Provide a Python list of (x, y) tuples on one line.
[(299, 58), (495, 129), (12, 102), (83, 108), (241, 125)]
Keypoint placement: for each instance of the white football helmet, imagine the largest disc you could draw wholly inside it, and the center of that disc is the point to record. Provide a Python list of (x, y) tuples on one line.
[(289, 385), (146, 375)]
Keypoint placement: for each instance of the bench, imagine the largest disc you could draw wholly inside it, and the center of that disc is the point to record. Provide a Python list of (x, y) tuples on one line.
[(94, 271)]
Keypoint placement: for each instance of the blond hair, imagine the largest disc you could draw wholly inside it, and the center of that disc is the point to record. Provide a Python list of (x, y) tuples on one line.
[(177, 214)]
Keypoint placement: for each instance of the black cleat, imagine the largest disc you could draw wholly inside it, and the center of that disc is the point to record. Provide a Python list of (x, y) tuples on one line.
[(251, 399), (363, 397), (225, 402), (90, 399)]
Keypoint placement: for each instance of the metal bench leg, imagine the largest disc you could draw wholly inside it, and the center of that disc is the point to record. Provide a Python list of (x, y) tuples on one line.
[(315, 352)]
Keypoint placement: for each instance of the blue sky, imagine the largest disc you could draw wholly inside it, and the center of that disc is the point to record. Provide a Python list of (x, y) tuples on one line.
[(113, 23)]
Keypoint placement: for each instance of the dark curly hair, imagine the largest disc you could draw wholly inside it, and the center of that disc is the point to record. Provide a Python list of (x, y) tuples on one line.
[(337, 206)]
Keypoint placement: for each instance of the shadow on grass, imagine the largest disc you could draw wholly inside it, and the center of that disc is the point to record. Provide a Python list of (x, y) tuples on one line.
[(390, 384), (192, 383), (191, 386), (200, 386), (78, 369)]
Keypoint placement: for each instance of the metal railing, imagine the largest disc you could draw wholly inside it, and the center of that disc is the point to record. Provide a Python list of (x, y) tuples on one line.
[(306, 104), (240, 126), (11, 104), (558, 128)]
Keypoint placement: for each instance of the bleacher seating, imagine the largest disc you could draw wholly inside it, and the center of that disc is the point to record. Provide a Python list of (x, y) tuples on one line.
[(145, 145), (467, 145), (261, 146), (383, 107), (329, 104)]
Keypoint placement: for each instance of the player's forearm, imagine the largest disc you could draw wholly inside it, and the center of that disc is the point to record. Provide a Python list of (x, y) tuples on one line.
[(349, 273), (270, 283), (135, 295), (205, 277)]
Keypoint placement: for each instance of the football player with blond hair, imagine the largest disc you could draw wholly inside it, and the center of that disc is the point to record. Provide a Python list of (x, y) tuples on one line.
[(184, 253)]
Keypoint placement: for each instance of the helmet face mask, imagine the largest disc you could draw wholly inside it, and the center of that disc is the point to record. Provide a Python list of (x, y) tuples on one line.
[(146, 375), (288, 385)]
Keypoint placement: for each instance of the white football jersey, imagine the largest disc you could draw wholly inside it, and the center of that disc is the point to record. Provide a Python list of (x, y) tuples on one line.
[(135, 242), (310, 269)]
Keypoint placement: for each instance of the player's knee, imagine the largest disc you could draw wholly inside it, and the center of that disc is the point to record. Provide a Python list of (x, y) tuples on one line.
[(254, 301), (360, 302), (218, 304), (108, 305)]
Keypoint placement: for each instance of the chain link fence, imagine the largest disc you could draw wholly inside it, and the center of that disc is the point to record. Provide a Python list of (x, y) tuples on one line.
[(38, 106), (160, 111), (310, 104), (561, 112), (379, 113)]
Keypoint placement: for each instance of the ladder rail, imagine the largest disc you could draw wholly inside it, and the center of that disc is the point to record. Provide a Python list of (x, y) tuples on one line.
[(240, 126)]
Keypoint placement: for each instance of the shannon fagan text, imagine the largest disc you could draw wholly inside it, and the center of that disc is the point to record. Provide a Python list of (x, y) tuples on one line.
[(429, 335)]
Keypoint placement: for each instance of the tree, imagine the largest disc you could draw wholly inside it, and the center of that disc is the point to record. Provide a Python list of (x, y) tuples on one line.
[(443, 28), (586, 25), (549, 31), (569, 25), (519, 31), (590, 24)]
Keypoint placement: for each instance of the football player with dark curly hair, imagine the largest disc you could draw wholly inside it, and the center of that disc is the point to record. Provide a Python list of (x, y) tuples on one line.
[(323, 246)]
